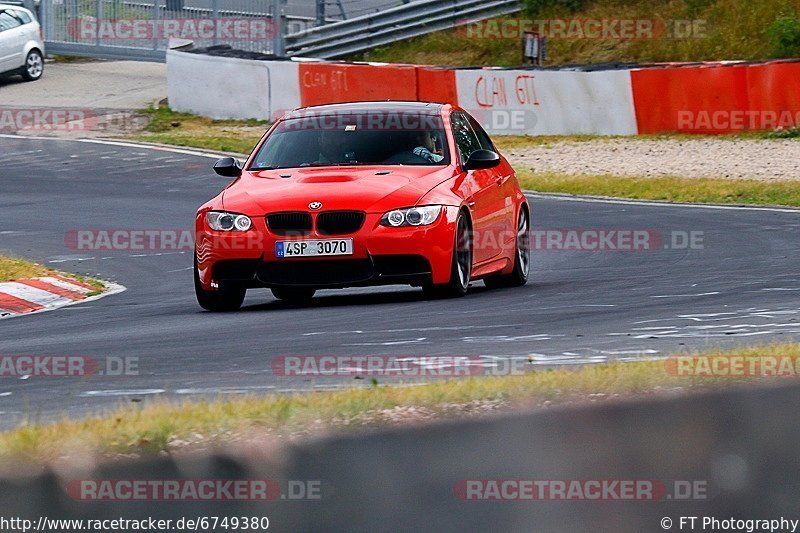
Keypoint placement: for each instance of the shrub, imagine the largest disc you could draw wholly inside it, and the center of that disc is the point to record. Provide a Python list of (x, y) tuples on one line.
[(784, 36)]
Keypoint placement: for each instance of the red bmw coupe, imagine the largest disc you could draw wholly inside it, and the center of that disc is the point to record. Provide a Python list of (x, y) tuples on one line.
[(361, 194)]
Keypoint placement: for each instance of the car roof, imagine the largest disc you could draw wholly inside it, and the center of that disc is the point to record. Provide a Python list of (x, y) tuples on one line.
[(371, 107), (13, 6)]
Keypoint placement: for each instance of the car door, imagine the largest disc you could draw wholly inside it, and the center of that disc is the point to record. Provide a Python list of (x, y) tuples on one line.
[(10, 41), (485, 195), (502, 174)]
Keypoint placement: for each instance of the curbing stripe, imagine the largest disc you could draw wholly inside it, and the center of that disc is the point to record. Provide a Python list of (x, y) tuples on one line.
[(11, 305), (36, 295), (71, 286), (33, 295), (71, 281), (49, 287)]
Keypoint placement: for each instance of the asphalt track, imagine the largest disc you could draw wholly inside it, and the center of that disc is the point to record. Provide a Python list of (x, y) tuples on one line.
[(581, 307)]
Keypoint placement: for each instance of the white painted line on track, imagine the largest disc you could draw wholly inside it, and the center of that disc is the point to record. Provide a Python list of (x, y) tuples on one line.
[(656, 203), (123, 144), (529, 194)]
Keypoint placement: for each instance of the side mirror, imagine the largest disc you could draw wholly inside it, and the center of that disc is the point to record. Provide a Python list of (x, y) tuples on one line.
[(228, 167), (481, 159)]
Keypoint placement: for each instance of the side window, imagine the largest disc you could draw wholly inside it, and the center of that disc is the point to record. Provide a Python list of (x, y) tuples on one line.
[(22, 16), (8, 21), (465, 138), (483, 137)]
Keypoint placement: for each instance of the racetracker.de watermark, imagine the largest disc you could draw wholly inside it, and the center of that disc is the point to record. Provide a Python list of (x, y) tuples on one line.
[(584, 28), (550, 240), (55, 366), (733, 366), (194, 490), (738, 120), (378, 365), (579, 489), (67, 119), (196, 29), (615, 240)]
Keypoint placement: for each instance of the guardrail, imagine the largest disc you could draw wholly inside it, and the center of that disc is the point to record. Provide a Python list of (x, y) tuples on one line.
[(404, 22)]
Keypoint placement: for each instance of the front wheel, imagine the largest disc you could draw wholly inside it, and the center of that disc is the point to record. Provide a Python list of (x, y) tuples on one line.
[(293, 294), (522, 257), (461, 267), (228, 297), (34, 66)]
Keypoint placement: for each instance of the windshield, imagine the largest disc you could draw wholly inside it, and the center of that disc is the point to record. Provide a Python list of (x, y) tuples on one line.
[(355, 139)]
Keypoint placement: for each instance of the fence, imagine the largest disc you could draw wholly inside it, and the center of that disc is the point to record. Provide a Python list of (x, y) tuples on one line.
[(142, 30), (323, 28)]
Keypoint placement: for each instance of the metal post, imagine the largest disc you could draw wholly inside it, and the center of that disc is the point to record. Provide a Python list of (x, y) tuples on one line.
[(98, 13), (215, 16), (320, 12), (279, 29), (156, 27), (45, 15), (74, 14)]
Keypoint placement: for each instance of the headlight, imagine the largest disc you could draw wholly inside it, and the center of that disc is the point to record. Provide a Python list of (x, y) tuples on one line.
[(222, 221), (412, 216)]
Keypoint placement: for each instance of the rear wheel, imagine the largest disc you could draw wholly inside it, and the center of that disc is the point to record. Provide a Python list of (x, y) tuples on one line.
[(34, 66), (522, 257), (461, 267), (293, 294), (228, 297)]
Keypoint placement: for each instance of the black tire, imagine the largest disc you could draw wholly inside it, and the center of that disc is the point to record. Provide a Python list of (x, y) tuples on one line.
[(228, 297), (522, 257), (461, 266), (34, 66), (293, 294)]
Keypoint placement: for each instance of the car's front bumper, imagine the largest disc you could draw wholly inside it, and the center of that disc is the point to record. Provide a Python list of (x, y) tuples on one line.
[(381, 255)]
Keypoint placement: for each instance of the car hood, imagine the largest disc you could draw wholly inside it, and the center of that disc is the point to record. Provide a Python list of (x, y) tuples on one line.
[(370, 189)]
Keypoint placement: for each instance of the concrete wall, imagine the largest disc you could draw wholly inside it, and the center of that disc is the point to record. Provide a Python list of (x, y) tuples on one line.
[(230, 88), (549, 102), (504, 101)]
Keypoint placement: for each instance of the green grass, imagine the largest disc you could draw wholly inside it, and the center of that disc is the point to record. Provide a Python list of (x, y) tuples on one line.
[(12, 268), (511, 142), (183, 129), (165, 426), (734, 29), (671, 189)]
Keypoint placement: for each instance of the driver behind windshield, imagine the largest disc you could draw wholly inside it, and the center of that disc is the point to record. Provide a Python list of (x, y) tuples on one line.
[(427, 147), (331, 150)]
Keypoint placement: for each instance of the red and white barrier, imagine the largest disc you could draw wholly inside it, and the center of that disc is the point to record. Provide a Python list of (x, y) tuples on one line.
[(45, 293), (708, 98), (525, 102)]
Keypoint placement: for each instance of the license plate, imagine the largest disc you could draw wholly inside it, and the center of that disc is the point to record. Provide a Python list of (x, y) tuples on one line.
[(313, 248)]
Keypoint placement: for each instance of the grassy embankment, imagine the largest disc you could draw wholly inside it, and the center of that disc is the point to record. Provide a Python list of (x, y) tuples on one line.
[(164, 426), (726, 29)]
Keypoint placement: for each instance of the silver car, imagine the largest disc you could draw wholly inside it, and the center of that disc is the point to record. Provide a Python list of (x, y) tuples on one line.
[(21, 45)]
